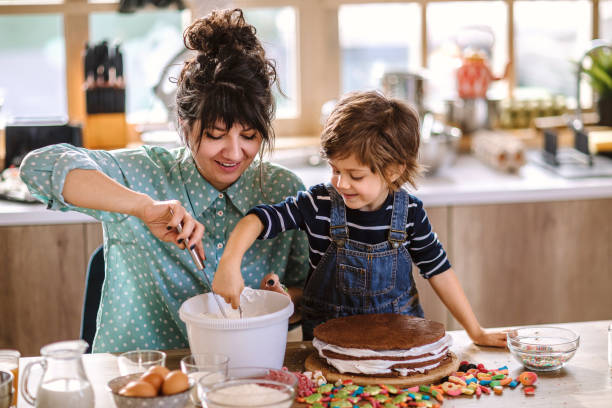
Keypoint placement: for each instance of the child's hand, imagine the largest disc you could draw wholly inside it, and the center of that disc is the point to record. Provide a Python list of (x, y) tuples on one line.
[(497, 339), (228, 282), (272, 282)]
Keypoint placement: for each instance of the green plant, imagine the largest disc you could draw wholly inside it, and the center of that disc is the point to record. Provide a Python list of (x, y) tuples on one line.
[(600, 72)]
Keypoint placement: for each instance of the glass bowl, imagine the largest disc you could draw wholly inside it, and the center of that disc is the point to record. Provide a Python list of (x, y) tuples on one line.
[(248, 393), (139, 361), (179, 400), (543, 348)]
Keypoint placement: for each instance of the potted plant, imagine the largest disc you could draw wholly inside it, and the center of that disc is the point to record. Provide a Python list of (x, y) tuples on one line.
[(600, 78)]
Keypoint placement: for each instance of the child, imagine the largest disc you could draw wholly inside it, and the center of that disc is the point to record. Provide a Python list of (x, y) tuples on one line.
[(364, 230)]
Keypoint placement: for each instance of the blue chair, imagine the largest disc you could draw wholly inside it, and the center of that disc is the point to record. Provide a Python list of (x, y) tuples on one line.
[(93, 293)]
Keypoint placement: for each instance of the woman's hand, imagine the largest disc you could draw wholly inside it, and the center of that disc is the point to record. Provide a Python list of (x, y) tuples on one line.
[(482, 338), (163, 217), (228, 282), (272, 282)]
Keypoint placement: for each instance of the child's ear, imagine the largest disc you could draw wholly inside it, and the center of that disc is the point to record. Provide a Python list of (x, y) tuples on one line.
[(395, 171)]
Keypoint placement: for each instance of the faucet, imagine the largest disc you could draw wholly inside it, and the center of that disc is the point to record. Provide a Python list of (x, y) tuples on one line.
[(597, 44)]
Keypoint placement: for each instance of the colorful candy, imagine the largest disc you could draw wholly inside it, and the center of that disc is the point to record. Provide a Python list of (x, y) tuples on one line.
[(528, 378), (469, 380)]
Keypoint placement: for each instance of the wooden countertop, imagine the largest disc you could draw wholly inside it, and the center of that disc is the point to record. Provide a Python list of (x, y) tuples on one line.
[(585, 381)]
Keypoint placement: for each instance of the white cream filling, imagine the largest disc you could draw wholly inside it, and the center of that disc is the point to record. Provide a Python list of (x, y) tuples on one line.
[(379, 366), (433, 348)]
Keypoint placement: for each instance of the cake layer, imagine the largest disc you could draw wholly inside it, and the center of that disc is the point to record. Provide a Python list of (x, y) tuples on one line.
[(380, 332)]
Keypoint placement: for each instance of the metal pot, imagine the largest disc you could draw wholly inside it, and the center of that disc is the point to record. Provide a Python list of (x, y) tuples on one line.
[(407, 86), (439, 145)]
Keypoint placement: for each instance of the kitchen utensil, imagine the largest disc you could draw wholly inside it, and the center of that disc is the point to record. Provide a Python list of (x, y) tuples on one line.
[(64, 382), (439, 144), (6, 389), (258, 339), (543, 348), (139, 361), (261, 393), (179, 400), (200, 266)]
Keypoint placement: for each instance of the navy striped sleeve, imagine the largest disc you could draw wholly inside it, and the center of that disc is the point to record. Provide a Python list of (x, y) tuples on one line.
[(424, 247), (286, 215)]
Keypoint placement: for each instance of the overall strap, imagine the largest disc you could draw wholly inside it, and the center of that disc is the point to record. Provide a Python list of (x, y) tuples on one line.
[(399, 218), (338, 230)]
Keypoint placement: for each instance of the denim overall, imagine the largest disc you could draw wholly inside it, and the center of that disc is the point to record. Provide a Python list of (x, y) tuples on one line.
[(355, 278)]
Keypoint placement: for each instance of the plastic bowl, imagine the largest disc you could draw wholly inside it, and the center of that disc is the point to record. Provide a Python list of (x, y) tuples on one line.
[(179, 400), (256, 340), (543, 348), (250, 393)]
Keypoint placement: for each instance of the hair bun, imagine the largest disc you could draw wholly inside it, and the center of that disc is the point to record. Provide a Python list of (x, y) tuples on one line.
[(222, 34)]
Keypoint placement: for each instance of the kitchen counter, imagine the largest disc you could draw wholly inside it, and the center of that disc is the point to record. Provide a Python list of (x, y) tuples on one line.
[(468, 182), (585, 381)]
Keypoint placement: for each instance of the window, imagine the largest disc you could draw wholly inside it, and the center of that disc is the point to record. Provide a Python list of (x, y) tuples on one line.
[(148, 41), (276, 28), (32, 67), (553, 45), (376, 39), (458, 28)]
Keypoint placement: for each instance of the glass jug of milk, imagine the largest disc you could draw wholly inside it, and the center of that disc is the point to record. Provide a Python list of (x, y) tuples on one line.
[(64, 382)]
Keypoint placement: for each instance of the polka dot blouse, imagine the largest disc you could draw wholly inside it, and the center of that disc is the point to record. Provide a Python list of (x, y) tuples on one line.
[(147, 280)]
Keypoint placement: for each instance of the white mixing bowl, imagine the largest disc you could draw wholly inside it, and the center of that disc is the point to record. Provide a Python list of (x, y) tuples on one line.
[(256, 340)]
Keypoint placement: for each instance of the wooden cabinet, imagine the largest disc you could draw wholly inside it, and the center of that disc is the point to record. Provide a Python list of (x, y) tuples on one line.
[(527, 263), (43, 280)]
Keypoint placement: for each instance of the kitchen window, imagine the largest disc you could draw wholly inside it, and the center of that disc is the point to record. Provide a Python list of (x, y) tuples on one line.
[(377, 38), (324, 48), (32, 67), (552, 45)]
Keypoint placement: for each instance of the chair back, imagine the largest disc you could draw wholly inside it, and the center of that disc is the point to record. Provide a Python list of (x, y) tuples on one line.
[(93, 293)]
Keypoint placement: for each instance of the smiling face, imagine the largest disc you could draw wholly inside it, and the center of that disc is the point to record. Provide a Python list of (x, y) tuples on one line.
[(360, 188), (224, 154)]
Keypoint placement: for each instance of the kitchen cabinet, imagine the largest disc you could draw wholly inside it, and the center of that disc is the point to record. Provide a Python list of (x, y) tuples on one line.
[(43, 280), (528, 263)]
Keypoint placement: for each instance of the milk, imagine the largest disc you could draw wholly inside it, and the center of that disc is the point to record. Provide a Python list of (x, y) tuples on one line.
[(65, 392)]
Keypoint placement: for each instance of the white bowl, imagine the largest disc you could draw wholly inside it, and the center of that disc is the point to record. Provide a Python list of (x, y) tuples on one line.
[(256, 340)]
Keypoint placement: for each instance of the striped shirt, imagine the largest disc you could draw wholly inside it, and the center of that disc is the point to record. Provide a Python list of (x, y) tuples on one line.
[(310, 211)]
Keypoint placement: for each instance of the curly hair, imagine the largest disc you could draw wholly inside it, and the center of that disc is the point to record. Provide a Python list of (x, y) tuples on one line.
[(381, 133), (229, 79)]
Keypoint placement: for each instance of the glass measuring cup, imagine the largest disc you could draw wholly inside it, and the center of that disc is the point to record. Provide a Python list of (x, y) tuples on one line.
[(64, 382)]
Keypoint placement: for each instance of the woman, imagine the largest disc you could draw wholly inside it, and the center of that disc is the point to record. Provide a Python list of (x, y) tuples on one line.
[(225, 108)]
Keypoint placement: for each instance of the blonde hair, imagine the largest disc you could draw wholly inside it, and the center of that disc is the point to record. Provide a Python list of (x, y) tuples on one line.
[(382, 133)]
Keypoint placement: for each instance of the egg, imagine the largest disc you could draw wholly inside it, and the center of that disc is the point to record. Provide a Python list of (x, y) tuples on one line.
[(176, 381), (153, 378), (161, 370), (138, 389)]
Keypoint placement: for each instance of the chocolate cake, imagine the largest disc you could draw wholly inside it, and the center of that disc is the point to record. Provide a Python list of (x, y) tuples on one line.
[(383, 345)]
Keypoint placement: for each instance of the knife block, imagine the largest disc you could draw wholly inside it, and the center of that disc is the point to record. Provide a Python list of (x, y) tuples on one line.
[(105, 131)]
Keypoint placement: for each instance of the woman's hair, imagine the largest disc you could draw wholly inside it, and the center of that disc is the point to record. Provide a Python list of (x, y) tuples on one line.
[(229, 79), (381, 133)]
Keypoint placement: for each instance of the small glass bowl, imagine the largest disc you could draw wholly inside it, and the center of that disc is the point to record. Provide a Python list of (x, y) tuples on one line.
[(139, 361), (250, 393), (543, 348)]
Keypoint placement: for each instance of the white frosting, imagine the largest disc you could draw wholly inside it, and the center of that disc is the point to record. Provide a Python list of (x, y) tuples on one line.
[(377, 365), (249, 395)]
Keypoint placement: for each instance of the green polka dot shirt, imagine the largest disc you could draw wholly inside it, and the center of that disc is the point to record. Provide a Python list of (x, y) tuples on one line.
[(147, 280)]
